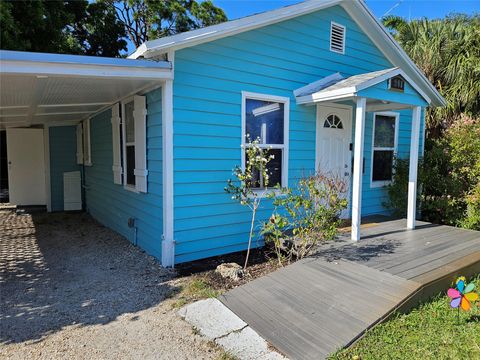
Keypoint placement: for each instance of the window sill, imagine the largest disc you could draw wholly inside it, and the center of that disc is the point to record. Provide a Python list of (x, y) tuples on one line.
[(131, 188), (379, 184), (264, 193)]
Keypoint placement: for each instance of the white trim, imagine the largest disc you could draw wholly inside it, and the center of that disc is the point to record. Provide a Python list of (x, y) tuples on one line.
[(382, 38), (126, 186), (316, 84), (195, 37), (387, 107), (46, 145), (286, 129), (356, 9), (19, 62), (168, 241), (413, 167), (351, 91), (87, 146), (357, 168), (332, 24), (396, 115)]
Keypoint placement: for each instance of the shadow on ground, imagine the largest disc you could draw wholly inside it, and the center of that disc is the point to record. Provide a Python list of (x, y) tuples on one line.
[(65, 269)]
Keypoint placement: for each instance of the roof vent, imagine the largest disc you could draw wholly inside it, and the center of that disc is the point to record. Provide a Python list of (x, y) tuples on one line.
[(337, 38)]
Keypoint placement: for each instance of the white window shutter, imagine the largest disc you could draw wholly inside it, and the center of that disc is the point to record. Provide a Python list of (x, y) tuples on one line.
[(117, 166), (87, 154), (79, 144), (140, 118)]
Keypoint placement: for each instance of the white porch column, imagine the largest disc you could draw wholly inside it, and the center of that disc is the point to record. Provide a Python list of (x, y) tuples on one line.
[(413, 168), (357, 168)]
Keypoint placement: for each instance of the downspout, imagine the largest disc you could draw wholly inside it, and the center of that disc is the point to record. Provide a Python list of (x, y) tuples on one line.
[(168, 242)]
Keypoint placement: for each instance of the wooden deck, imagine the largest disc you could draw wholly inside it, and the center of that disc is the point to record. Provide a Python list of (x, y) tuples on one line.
[(320, 304)]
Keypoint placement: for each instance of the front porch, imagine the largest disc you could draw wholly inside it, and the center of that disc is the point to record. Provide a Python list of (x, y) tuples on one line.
[(387, 103), (320, 304)]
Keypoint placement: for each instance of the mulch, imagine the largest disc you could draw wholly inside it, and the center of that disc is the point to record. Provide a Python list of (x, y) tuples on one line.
[(260, 263)]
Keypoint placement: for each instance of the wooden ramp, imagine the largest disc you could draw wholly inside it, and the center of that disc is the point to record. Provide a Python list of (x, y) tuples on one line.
[(318, 305)]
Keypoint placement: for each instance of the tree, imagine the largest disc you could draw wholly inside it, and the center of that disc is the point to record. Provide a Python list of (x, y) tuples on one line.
[(73, 27), (448, 52), (152, 19)]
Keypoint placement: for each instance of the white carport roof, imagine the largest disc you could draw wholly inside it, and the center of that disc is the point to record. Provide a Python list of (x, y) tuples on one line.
[(38, 88)]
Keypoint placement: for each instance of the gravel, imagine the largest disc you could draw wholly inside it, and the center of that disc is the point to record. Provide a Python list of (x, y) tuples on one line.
[(71, 288)]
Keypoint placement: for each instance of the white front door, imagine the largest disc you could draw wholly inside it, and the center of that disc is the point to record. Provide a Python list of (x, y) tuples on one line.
[(333, 154), (26, 166)]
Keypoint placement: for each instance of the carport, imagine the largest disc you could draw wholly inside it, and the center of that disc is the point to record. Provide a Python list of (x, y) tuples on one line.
[(40, 93)]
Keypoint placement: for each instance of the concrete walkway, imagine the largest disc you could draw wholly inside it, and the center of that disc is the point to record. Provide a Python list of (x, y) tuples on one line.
[(217, 323)]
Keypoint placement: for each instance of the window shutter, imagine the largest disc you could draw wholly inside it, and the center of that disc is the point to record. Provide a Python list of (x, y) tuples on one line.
[(79, 144), (87, 154), (117, 167), (140, 118)]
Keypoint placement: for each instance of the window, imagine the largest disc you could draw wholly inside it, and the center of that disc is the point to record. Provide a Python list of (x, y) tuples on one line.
[(128, 136), (385, 129), (129, 144), (84, 153), (337, 38), (333, 122), (396, 83), (266, 118)]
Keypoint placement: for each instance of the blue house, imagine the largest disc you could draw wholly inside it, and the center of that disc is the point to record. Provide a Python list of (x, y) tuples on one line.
[(146, 144)]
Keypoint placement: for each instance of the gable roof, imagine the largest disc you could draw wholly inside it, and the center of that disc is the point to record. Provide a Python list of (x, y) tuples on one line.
[(357, 10), (336, 86)]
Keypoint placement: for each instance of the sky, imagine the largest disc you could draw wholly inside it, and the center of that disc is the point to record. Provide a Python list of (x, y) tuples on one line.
[(412, 9)]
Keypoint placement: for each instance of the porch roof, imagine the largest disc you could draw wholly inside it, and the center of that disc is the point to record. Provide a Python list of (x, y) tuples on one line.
[(38, 88), (336, 87)]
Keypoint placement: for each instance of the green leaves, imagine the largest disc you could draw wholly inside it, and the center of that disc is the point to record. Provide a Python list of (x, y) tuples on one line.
[(448, 52), (304, 216)]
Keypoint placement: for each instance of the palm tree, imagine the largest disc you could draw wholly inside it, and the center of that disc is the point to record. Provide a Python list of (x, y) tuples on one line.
[(448, 52)]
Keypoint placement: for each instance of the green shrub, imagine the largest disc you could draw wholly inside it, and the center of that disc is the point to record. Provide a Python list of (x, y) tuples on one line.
[(304, 216), (472, 218), (448, 177)]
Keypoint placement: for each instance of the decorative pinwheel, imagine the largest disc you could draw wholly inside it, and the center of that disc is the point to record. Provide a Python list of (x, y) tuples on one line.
[(463, 295)]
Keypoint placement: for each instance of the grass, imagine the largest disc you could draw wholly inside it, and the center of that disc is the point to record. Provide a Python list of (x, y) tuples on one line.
[(430, 331), (195, 289)]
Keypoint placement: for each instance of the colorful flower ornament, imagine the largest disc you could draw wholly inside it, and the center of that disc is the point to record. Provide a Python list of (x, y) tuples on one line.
[(463, 295)]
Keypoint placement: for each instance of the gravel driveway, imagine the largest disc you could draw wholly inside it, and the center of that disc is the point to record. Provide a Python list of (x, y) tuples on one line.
[(71, 288)]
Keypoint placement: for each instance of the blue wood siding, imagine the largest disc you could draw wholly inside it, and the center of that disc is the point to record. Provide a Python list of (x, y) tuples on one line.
[(63, 158), (209, 79), (111, 204)]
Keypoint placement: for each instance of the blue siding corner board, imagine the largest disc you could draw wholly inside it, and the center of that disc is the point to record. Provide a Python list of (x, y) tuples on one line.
[(274, 60), (63, 158), (112, 204)]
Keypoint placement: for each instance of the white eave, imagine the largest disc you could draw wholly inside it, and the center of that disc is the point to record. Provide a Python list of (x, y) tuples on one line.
[(20, 62), (335, 87), (38, 88), (355, 8)]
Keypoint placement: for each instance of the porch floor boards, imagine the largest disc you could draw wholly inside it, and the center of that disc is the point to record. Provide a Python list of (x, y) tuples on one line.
[(320, 304)]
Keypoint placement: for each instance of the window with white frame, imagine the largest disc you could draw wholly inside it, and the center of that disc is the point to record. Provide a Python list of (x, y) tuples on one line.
[(385, 129), (128, 137), (84, 153), (130, 144), (266, 118)]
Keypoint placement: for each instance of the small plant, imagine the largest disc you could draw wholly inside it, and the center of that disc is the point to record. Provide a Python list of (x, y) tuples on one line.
[(304, 216), (252, 183)]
